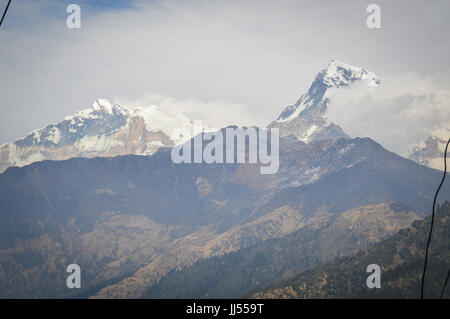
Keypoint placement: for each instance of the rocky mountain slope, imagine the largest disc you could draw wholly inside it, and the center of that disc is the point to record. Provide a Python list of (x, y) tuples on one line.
[(400, 257)]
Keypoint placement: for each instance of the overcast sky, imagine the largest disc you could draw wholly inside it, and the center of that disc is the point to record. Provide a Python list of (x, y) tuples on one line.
[(226, 62)]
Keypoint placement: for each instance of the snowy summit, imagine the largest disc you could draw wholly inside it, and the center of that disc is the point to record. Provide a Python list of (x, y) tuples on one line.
[(104, 129), (305, 119)]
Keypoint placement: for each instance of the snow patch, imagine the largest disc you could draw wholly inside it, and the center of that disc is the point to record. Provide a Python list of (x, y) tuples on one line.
[(36, 136), (96, 143), (339, 73), (102, 105), (14, 154), (309, 132), (347, 148), (54, 135)]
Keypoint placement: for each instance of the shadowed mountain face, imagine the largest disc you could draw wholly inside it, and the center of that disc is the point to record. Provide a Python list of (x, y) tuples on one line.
[(129, 220), (401, 259)]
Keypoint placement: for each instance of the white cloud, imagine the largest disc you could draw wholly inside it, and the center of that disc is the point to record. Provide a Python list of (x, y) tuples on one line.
[(215, 113), (404, 110)]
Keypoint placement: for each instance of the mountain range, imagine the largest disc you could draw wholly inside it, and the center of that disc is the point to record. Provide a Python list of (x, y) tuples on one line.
[(100, 189), (109, 129)]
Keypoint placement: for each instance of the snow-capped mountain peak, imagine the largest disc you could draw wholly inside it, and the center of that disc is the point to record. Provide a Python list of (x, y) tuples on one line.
[(104, 105), (306, 118), (335, 75), (338, 74), (104, 129), (99, 108)]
